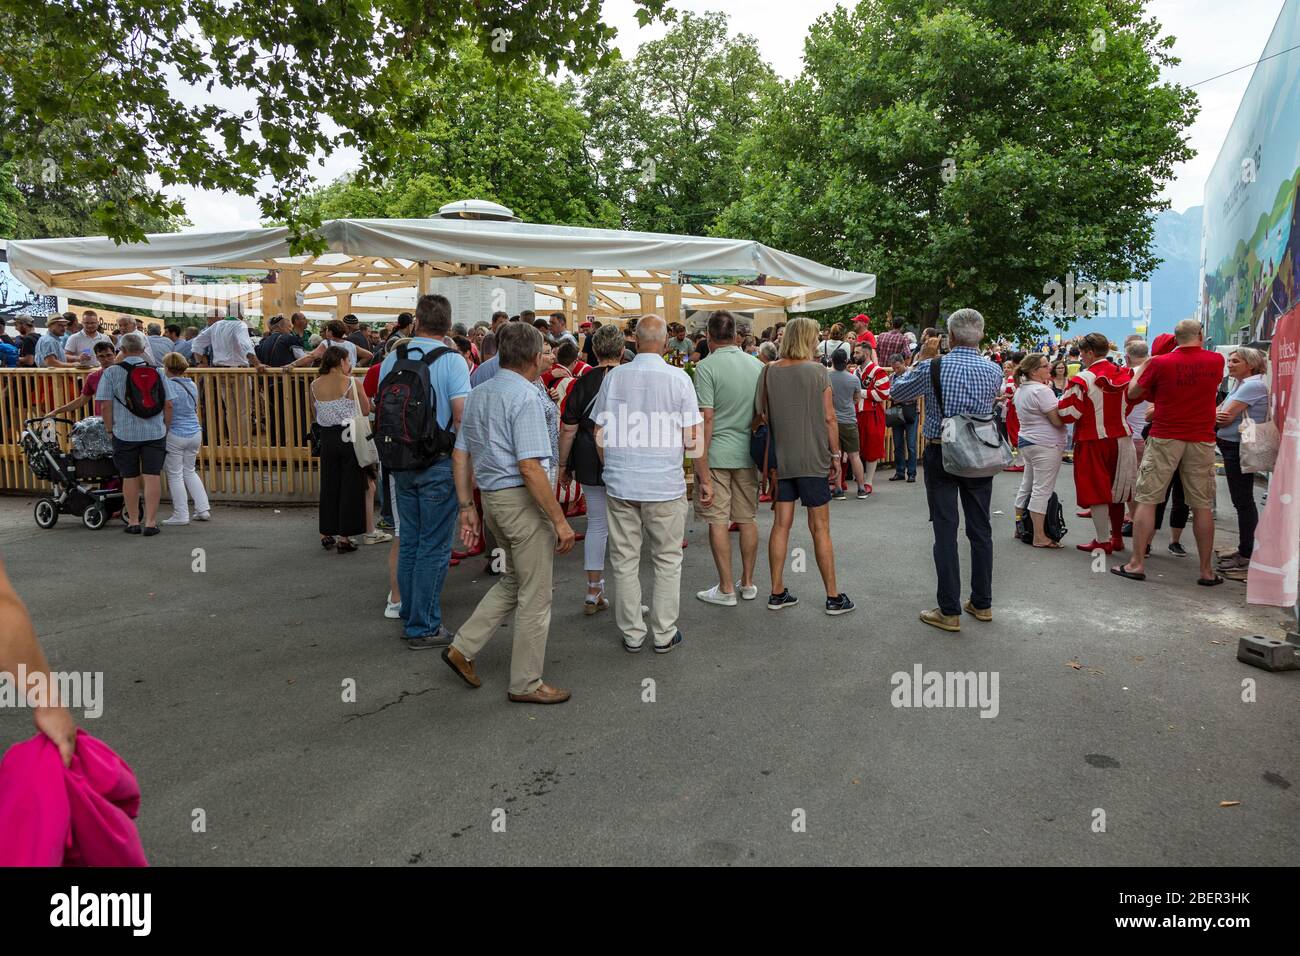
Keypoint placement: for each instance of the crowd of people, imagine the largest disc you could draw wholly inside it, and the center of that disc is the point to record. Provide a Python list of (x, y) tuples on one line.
[(535, 424)]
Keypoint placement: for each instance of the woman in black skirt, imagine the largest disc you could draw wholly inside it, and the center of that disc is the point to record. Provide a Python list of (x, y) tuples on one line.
[(337, 401)]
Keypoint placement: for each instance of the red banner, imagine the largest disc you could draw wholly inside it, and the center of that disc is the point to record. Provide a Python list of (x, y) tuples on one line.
[(1276, 558)]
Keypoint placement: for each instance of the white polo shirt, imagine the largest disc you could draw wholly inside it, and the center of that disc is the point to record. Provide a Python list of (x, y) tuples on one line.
[(642, 408)]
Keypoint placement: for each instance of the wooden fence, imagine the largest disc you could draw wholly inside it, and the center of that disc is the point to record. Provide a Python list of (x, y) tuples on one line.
[(255, 428)]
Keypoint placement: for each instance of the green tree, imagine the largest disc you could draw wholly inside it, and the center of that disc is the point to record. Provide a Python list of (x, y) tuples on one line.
[(969, 152), (264, 87), (666, 127), (476, 132)]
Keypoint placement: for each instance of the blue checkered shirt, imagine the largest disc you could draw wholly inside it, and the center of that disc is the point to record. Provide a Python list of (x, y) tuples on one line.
[(970, 382), (503, 424)]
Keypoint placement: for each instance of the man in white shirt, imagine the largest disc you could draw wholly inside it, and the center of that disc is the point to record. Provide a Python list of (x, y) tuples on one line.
[(80, 346), (559, 329), (232, 347), (125, 326), (646, 415)]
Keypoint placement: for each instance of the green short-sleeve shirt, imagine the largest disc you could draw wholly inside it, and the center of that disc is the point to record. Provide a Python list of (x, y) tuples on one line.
[(725, 382)]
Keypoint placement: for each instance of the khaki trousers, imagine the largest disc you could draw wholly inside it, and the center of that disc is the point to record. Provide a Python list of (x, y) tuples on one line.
[(661, 523), (527, 537)]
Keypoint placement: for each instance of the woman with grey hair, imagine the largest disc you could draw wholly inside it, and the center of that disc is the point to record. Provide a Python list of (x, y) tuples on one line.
[(1249, 396), (580, 459)]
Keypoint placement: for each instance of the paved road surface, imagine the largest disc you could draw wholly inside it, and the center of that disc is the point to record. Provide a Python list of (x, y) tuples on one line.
[(223, 690)]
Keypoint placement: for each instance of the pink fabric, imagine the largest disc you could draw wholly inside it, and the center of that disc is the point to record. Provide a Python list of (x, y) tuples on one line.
[(76, 816), (1272, 578)]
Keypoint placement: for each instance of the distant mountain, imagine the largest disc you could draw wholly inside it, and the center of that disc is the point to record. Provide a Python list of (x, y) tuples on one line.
[(1172, 292)]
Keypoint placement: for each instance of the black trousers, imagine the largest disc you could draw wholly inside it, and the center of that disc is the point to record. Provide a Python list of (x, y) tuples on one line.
[(1180, 513), (942, 493), (1241, 487), (342, 486)]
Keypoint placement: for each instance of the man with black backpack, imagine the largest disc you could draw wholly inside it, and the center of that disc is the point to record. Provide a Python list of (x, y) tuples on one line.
[(137, 413), (422, 389)]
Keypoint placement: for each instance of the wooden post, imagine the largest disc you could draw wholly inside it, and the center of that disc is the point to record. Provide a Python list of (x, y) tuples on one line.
[(424, 279), (342, 304), (649, 302), (672, 302), (287, 287), (581, 298)]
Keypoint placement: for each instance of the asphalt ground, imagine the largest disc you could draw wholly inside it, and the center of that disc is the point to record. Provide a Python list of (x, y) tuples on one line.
[(771, 738)]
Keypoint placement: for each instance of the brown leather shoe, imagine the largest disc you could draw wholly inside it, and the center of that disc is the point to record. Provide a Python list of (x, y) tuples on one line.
[(457, 662), (544, 694), (936, 618), (980, 614)]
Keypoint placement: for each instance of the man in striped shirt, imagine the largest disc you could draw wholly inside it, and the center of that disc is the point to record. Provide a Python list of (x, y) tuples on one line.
[(970, 385)]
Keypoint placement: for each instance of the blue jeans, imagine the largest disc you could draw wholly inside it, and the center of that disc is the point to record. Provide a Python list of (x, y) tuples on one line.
[(908, 432), (426, 507)]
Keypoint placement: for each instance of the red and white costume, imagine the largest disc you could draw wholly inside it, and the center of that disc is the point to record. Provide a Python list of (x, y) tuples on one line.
[(1105, 464), (1013, 420), (871, 417)]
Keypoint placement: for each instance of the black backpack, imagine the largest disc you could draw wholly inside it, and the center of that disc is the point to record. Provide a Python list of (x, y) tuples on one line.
[(1053, 522), (407, 434), (145, 392)]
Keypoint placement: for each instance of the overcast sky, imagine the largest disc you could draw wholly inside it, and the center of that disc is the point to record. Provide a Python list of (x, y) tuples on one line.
[(1213, 36)]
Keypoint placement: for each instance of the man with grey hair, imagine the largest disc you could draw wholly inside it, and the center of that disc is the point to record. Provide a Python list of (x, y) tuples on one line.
[(504, 438), (646, 414), (137, 413), (970, 385)]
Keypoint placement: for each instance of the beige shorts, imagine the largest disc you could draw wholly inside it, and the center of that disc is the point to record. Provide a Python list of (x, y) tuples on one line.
[(1194, 462), (735, 496)]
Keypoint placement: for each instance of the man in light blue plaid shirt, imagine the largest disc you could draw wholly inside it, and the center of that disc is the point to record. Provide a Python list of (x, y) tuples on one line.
[(505, 439), (970, 384)]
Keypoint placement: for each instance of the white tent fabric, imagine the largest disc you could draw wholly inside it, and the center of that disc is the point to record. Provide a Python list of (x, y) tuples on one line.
[(462, 241)]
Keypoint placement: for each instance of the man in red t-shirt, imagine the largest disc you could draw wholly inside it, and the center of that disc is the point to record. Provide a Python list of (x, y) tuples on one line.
[(1183, 387)]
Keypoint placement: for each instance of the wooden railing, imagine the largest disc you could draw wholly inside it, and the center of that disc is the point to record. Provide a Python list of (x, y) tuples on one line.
[(255, 428)]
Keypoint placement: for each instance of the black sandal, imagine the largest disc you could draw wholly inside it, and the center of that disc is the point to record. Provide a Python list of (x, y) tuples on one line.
[(1123, 572), (327, 542), (1210, 582), (346, 547)]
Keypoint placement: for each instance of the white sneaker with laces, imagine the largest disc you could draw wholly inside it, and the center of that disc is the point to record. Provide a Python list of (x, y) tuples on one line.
[(748, 593), (203, 516), (176, 519), (715, 596), (392, 609)]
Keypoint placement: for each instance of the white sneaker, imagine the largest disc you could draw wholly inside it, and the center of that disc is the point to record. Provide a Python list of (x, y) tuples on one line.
[(376, 537), (203, 516), (748, 593), (714, 596), (176, 519), (392, 609)]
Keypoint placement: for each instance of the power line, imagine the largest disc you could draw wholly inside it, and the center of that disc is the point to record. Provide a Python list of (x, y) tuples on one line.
[(1247, 66)]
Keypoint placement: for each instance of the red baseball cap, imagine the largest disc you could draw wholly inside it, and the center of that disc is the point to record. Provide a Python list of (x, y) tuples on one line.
[(584, 326), (863, 318), (1164, 343), (867, 337)]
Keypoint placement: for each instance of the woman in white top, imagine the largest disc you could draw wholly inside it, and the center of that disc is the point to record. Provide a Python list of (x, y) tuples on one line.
[(336, 337), (1042, 442), (834, 343), (337, 401)]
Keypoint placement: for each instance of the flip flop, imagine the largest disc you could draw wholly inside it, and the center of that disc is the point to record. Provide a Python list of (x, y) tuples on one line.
[(1054, 546), (1210, 582), (1131, 575)]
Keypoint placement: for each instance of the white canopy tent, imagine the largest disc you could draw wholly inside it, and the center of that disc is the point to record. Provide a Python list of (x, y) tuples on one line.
[(375, 267)]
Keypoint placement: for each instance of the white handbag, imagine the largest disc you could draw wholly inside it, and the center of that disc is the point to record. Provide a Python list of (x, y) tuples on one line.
[(1259, 445), (357, 432)]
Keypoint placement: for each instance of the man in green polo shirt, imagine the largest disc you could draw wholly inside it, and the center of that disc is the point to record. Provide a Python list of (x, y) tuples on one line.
[(725, 382)]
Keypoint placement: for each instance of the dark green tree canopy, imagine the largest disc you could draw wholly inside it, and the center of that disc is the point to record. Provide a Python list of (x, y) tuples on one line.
[(476, 131), (970, 151), (666, 127), (278, 82)]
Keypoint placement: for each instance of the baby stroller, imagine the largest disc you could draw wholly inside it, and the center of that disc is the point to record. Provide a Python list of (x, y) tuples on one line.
[(85, 481)]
